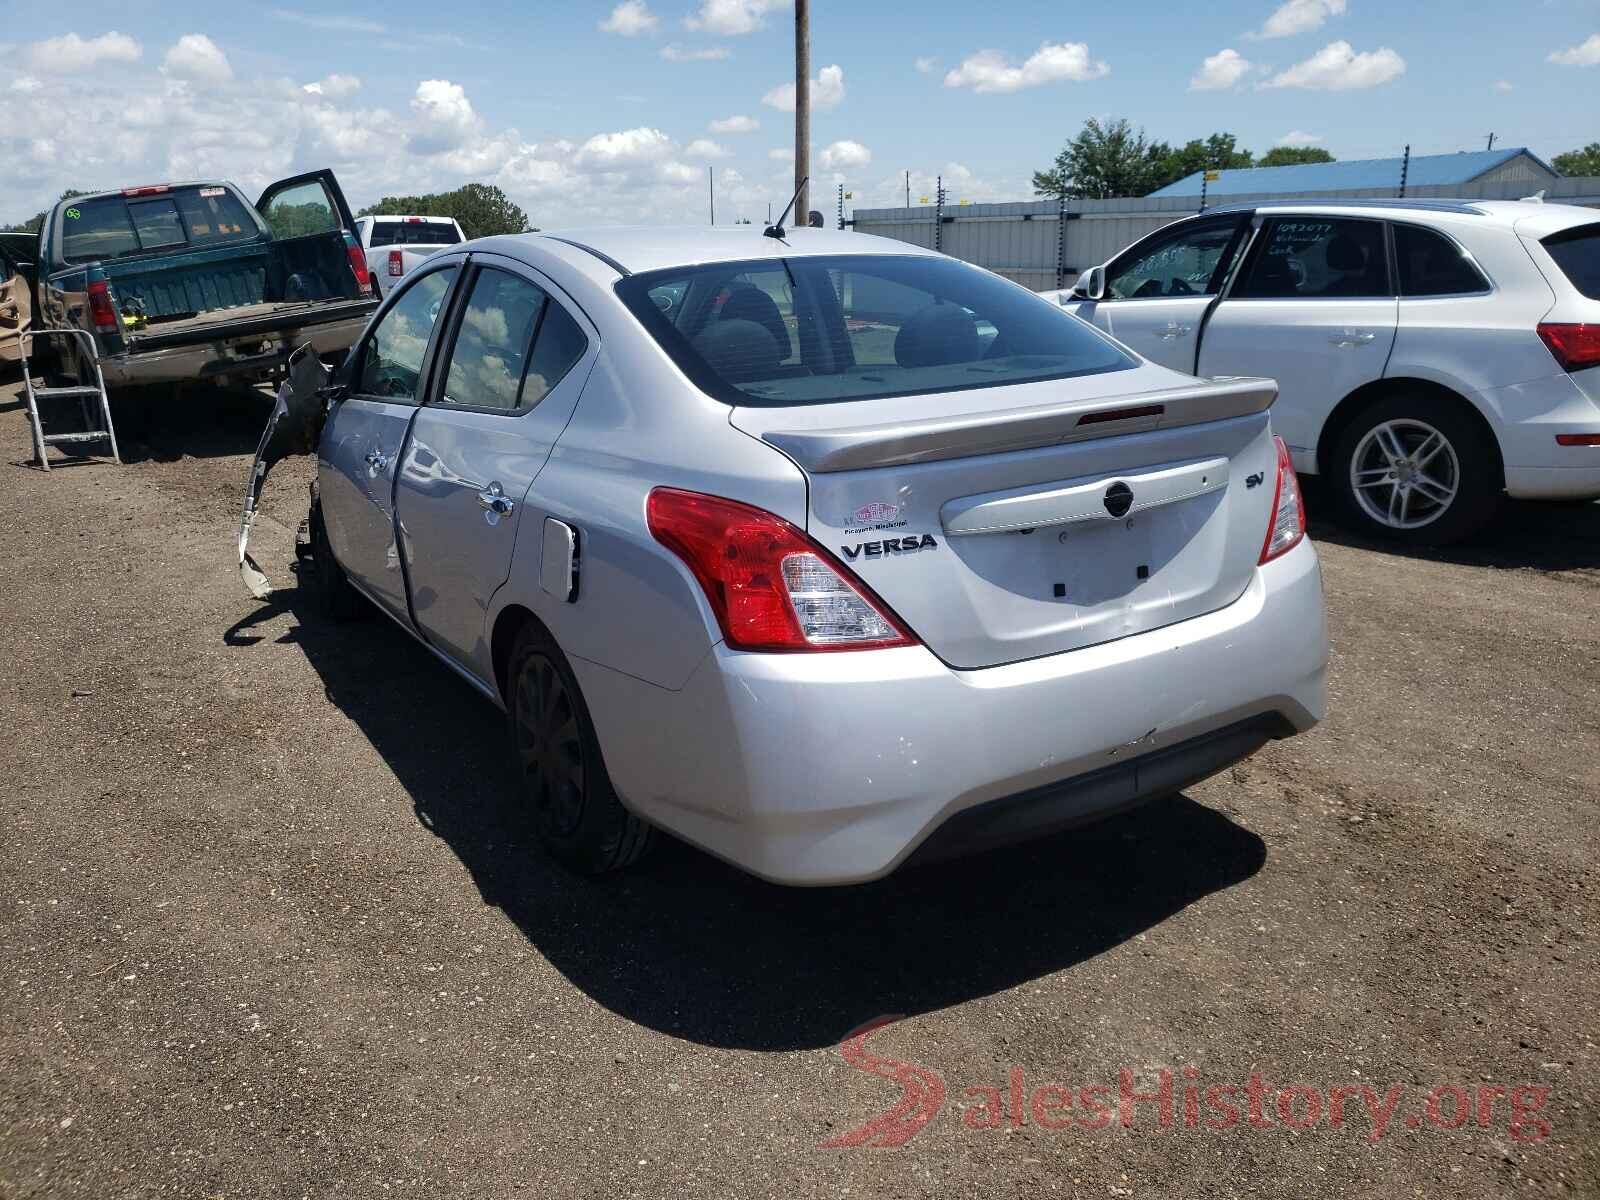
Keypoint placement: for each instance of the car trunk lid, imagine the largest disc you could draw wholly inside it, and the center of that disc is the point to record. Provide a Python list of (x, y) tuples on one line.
[(1049, 519)]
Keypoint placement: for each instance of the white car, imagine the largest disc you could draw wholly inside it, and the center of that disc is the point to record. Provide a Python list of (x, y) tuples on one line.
[(395, 244), (1431, 356)]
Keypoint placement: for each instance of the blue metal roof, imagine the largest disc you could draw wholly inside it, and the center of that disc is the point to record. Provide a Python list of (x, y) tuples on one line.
[(1425, 170)]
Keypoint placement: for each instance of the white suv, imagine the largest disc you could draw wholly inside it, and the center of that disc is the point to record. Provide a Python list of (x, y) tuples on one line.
[(1431, 355)]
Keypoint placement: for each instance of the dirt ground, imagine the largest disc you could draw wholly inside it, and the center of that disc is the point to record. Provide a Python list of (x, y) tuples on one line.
[(270, 925)]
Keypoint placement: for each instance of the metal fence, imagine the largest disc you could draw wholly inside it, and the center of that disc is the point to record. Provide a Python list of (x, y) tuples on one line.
[(1043, 244)]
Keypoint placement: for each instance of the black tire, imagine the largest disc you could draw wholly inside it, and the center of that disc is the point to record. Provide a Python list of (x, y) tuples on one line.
[(1419, 488), (321, 573), (569, 797)]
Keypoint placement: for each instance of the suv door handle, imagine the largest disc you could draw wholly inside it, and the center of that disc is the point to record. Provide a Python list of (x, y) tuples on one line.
[(495, 503), (377, 462), (1353, 337), (1174, 330)]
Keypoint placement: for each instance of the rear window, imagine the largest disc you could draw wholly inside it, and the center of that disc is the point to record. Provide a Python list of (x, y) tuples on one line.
[(117, 226), (1577, 253), (858, 327), (414, 233)]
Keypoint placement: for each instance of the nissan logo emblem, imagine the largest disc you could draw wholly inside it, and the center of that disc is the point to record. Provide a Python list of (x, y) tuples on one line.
[(1119, 499)]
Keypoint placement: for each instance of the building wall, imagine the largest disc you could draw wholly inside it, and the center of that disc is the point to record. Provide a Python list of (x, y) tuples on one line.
[(1026, 241)]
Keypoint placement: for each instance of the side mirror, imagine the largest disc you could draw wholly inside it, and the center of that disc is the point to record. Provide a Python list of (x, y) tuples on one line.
[(1091, 284)]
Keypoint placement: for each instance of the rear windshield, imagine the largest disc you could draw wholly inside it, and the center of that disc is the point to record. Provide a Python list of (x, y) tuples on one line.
[(414, 233), (1577, 253), (118, 226), (858, 327)]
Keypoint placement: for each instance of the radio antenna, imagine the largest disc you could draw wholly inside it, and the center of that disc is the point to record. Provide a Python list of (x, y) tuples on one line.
[(775, 230)]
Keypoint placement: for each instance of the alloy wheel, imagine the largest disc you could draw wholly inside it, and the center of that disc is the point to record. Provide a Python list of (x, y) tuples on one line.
[(550, 746), (1405, 474)]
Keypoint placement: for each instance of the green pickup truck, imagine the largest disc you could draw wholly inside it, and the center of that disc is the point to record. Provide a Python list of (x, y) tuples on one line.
[(189, 281)]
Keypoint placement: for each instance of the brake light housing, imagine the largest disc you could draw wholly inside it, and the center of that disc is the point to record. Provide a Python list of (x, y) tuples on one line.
[(101, 311), (1287, 527), (358, 264), (771, 587), (397, 264), (1575, 344)]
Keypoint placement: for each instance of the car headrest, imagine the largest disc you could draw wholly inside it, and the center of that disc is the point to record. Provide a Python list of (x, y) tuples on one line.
[(738, 350), (746, 302), (1345, 253), (935, 335)]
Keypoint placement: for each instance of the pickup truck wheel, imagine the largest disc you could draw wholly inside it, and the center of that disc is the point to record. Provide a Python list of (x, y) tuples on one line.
[(574, 808), (331, 592), (1416, 469)]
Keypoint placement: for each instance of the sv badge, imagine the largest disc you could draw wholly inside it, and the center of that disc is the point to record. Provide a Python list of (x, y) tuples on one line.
[(1255, 480)]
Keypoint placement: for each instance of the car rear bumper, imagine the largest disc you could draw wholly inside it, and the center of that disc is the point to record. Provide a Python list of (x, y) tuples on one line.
[(834, 768), (1531, 415)]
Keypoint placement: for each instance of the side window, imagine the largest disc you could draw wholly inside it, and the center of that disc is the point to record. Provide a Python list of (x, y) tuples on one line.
[(1433, 265), (1315, 258), (514, 344), (1181, 265), (299, 210), (391, 363)]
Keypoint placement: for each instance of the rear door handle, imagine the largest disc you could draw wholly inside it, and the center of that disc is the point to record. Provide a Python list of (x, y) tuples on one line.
[(377, 462), (1353, 337), (1174, 330), (495, 503)]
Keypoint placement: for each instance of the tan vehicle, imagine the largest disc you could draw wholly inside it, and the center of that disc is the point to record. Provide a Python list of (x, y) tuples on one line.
[(16, 303)]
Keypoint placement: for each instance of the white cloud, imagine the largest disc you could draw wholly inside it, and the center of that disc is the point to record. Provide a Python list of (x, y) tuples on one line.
[(627, 148), (739, 124), (1299, 16), (195, 56), (630, 19), (840, 155), (1338, 68), (334, 87), (1298, 138), (780, 154), (1503, 85), (445, 117), (25, 84), (677, 172), (677, 53), (827, 91), (1585, 54), (704, 148), (730, 18), (331, 23), (1053, 62), (927, 65), (1220, 71), (70, 53)]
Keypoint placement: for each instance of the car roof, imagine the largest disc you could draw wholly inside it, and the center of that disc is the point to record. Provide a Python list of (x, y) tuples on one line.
[(640, 248), (1529, 216)]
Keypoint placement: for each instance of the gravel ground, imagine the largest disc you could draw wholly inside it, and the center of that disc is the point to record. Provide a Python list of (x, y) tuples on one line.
[(271, 928)]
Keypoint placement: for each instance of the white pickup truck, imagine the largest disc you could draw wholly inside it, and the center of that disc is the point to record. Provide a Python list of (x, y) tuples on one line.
[(393, 245)]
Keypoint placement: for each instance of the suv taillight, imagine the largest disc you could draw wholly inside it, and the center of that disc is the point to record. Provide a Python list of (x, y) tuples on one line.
[(397, 264), (770, 586), (1288, 524), (358, 264), (1575, 345), (101, 310)]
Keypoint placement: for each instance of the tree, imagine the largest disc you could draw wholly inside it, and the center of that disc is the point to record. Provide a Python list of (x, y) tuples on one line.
[(1114, 159), (1219, 152), (482, 209), (33, 223), (1292, 156), (1579, 162)]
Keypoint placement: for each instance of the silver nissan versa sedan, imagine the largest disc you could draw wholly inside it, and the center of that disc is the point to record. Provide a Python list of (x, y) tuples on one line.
[(817, 550)]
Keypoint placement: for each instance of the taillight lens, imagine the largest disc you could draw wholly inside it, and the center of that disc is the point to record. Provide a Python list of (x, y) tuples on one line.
[(1288, 524), (397, 264), (358, 264), (771, 586), (1575, 345), (101, 310)]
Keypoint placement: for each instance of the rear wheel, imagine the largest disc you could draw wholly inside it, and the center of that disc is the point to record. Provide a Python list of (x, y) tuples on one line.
[(574, 808), (330, 588), (1417, 469)]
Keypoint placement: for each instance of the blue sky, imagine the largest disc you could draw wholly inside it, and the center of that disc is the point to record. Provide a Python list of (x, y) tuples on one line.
[(610, 112)]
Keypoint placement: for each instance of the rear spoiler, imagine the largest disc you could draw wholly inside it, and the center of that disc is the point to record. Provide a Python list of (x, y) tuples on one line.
[(903, 442)]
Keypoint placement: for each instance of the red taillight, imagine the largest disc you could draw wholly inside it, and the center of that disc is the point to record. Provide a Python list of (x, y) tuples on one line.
[(358, 264), (1288, 523), (1578, 439), (101, 310), (1575, 345), (151, 189), (397, 264), (771, 587)]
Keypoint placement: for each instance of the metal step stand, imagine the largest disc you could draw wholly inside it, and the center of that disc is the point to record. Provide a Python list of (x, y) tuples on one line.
[(83, 393)]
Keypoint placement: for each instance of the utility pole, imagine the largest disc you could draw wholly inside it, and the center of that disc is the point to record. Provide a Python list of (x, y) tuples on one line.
[(1490, 146), (908, 189), (711, 193), (802, 110)]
